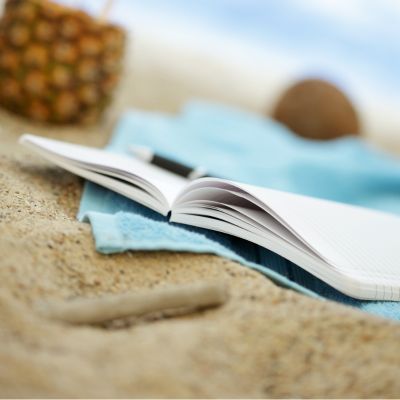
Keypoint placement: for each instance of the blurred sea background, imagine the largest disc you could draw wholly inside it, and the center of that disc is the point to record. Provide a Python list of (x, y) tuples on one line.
[(269, 44)]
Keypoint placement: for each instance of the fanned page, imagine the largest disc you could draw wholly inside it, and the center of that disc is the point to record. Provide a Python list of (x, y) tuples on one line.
[(133, 178), (354, 249)]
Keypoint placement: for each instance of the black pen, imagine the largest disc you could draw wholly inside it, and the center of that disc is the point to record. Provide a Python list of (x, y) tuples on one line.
[(146, 154)]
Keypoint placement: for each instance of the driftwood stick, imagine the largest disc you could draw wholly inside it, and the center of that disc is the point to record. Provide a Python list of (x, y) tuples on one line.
[(109, 307)]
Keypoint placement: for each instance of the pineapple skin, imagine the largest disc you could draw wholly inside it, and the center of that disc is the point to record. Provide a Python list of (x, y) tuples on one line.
[(57, 64)]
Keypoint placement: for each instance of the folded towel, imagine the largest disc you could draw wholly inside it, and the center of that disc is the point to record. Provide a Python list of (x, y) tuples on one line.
[(252, 149)]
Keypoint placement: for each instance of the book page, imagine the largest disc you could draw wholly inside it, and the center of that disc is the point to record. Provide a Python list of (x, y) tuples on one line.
[(159, 183), (236, 205), (354, 249), (357, 241)]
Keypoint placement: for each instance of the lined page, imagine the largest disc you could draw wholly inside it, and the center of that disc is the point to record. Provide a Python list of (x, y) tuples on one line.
[(357, 241), (168, 184)]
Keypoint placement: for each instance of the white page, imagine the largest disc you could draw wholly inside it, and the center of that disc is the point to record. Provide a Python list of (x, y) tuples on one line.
[(126, 189), (354, 249), (356, 240), (168, 185), (351, 242), (238, 202), (276, 244), (241, 220)]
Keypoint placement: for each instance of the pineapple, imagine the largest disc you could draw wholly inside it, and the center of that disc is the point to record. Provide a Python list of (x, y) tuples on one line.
[(57, 64)]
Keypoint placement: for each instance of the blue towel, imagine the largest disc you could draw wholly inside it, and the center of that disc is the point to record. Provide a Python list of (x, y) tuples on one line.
[(252, 149)]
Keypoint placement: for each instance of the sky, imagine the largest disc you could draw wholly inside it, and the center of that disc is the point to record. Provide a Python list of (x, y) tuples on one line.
[(354, 42)]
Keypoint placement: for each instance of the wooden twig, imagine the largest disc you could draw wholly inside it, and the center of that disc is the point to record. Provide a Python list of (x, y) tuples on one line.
[(109, 307)]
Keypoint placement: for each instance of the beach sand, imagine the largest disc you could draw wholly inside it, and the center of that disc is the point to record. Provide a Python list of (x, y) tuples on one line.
[(264, 342)]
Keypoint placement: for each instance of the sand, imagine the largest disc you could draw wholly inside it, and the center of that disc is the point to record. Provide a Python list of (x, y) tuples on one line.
[(264, 342)]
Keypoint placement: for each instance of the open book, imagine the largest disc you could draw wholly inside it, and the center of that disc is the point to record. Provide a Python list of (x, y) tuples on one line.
[(353, 249)]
